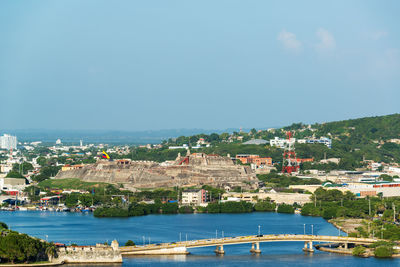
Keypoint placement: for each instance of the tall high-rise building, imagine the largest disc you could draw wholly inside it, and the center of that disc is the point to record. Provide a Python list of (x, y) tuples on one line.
[(8, 142)]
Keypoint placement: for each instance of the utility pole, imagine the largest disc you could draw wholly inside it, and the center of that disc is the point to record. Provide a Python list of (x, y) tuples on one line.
[(369, 225), (394, 212), (315, 200), (369, 206)]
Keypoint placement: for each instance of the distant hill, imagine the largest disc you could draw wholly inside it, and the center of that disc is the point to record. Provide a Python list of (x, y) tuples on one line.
[(364, 130), (105, 136), (352, 141)]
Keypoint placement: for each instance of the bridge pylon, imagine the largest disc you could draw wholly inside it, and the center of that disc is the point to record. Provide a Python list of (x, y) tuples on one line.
[(255, 248), (219, 250), (308, 246)]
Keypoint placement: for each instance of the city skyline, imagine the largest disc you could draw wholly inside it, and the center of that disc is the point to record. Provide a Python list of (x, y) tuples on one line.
[(137, 66)]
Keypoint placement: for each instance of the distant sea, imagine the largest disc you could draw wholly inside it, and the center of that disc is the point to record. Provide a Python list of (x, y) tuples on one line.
[(72, 137)]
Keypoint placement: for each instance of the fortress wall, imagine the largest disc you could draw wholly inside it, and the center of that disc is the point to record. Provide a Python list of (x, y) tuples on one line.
[(91, 254), (202, 169)]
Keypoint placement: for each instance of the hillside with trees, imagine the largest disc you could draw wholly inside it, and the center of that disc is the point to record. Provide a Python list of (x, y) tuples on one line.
[(352, 141)]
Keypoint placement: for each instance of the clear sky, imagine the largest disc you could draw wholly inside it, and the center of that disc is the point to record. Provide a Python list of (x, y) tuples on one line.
[(212, 64)]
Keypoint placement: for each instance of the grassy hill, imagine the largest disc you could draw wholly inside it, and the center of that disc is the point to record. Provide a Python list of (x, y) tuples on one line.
[(71, 183)]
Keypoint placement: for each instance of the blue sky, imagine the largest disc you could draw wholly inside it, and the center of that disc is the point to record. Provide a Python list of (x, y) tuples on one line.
[(156, 64)]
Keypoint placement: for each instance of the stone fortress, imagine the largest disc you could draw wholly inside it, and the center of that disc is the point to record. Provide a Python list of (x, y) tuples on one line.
[(190, 170), (90, 254)]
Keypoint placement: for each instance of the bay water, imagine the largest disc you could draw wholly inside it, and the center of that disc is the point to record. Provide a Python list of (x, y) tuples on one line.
[(85, 229)]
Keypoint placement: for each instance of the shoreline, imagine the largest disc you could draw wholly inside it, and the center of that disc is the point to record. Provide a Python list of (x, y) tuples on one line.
[(32, 264)]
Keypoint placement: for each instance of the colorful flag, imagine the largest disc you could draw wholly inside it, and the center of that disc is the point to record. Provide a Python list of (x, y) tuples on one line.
[(105, 155)]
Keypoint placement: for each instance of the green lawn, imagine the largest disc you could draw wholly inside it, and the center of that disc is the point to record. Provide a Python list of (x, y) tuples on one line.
[(70, 183)]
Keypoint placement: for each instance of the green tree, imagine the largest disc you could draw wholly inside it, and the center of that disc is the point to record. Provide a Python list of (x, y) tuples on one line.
[(71, 200), (265, 206), (329, 213), (186, 209), (285, 208), (22, 168), (359, 251), (213, 208), (383, 252), (169, 208), (3, 226), (14, 174), (129, 243), (86, 200)]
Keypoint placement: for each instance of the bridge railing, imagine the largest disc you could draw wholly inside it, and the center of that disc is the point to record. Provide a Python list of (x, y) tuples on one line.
[(250, 239)]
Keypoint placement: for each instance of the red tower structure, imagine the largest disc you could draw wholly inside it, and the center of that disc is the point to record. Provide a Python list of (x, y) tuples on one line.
[(289, 163)]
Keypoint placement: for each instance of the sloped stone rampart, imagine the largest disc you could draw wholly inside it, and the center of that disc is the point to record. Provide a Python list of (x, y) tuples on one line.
[(198, 170)]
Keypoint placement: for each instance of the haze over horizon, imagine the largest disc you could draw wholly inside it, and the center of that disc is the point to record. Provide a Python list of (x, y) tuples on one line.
[(152, 65)]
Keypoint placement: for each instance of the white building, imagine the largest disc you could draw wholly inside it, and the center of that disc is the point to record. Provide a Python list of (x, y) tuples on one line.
[(194, 197), (8, 142), (281, 143), (184, 146), (322, 140), (393, 170)]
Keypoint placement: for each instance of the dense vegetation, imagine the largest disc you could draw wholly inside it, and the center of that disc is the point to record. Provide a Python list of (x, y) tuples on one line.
[(140, 209), (275, 179), (352, 140), (359, 251), (21, 248), (137, 209), (14, 174)]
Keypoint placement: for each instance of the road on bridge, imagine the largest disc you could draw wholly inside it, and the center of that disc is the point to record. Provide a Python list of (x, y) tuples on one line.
[(180, 247)]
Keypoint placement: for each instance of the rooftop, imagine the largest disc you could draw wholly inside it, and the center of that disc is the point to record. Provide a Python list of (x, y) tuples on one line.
[(256, 142)]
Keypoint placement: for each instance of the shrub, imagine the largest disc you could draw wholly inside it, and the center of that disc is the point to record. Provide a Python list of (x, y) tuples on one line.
[(200, 209), (21, 248), (111, 212), (285, 208), (353, 234), (213, 208), (358, 251), (3, 225), (265, 206), (329, 213), (129, 243), (383, 252), (169, 208), (236, 207), (186, 209), (382, 243)]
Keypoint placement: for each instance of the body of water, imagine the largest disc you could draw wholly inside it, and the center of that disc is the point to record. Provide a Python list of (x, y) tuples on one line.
[(84, 229)]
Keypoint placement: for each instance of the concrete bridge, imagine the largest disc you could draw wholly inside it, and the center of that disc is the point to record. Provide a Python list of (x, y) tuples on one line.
[(175, 248)]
